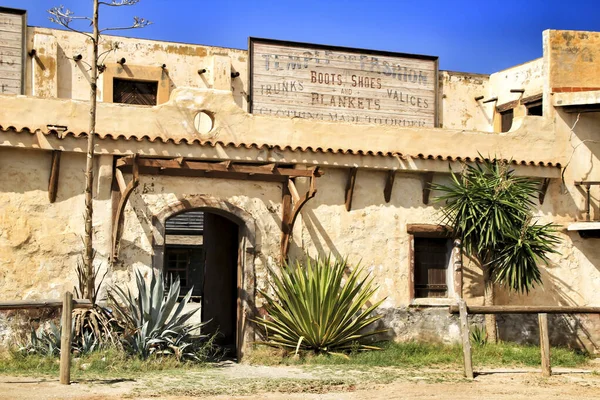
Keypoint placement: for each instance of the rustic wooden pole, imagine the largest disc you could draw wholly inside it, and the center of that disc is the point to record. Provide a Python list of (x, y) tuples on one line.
[(544, 344), (466, 342), (65, 339)]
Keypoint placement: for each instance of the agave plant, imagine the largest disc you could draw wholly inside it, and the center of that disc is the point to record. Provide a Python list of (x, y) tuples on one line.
[(45, 342), (315, 307), (154, 320)]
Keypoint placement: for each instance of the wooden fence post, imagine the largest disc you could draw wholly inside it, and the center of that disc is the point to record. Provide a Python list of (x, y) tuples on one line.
[(65, 339), (466, 341), (544, 344)]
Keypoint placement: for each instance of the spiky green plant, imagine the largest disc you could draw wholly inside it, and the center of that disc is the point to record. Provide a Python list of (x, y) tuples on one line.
[(490, 209), (154, 319), (316, 307)]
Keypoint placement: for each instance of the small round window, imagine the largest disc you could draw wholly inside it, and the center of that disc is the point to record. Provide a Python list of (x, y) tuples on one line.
[(203, 122)]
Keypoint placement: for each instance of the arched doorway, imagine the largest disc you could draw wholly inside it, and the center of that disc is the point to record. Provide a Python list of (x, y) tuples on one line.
[(208, 248)]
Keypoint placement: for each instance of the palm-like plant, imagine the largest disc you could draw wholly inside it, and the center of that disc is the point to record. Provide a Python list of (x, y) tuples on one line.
[(314, 308), (489, 208), (155, 322)]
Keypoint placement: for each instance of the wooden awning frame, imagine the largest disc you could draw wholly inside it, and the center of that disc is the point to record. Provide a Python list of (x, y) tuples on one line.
[(272, 172)]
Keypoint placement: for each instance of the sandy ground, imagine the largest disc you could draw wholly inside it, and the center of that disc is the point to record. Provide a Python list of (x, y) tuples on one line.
[(517, 384)]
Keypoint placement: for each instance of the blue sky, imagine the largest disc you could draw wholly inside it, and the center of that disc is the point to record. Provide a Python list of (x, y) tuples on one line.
[(481, 36)]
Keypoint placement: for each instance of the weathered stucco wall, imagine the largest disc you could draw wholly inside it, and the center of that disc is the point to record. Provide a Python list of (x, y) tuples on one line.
[(40, 242), (459, 108), (56, 74), (573, 57)]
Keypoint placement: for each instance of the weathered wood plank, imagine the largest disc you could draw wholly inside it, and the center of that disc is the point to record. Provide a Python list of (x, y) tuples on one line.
[(544, 344), (466, 340), (286, 218), (368, 86), (65, 339), (527, 310)]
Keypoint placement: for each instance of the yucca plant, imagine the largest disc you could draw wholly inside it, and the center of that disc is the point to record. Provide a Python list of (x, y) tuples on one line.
[(490, 209), (43, 341), (316, 307), (154, 319)]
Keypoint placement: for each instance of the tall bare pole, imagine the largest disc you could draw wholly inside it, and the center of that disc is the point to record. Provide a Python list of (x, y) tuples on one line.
[(89, 165)]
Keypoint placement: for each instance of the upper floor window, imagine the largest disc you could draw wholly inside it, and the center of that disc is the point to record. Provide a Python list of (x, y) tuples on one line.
[(129, 91), (506, 120)]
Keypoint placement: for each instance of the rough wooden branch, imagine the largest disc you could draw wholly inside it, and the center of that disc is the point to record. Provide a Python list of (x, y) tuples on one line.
[(118, 220), (389, 185), (350, 187), (293, 191), (427, 180), (54, 174), (544, 189)]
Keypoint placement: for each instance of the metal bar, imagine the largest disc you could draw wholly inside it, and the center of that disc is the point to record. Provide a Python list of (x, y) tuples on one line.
[(527, 310)]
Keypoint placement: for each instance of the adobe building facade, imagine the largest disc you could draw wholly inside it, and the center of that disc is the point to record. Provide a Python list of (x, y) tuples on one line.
[(260, 185)]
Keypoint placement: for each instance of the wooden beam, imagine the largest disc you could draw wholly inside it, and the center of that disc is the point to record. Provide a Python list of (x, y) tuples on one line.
[(389, 185), (268, 169), (54, 174), (65, 339), (427, 180), (544, 344), (350, 187), (118, 220), (544, 189), (293, 191), (292, 215), (35, 304), (286, 218), (527, 310), (465, 334), (120, 181)]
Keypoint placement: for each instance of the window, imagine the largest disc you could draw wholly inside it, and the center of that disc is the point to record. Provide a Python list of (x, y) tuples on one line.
[(184, 251), (535, 108), (506, 120), (431, 267), (129, 91), (432, 275)]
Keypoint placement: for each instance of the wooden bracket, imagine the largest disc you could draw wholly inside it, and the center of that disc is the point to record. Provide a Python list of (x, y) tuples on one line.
[(54, 173), (389, 185), (350, 187), (292, 204), (544, 189), (427, 180), (124, 193)]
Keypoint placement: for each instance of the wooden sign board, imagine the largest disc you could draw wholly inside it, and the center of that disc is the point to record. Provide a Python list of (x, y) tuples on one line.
[(12, 50), (339, 84)]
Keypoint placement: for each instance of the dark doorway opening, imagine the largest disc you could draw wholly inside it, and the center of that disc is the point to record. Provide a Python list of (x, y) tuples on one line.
[(201, 247)]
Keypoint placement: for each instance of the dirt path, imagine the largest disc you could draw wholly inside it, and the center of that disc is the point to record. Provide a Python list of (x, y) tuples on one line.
[(260, 382)]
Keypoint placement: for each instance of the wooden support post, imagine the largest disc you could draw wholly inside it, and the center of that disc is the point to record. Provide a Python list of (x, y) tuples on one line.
[(544, 344), (350, 187), (389, 185), (286, 219), (543, 190), (466, 341), (427, 179), (54, 173), (65, 339)]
